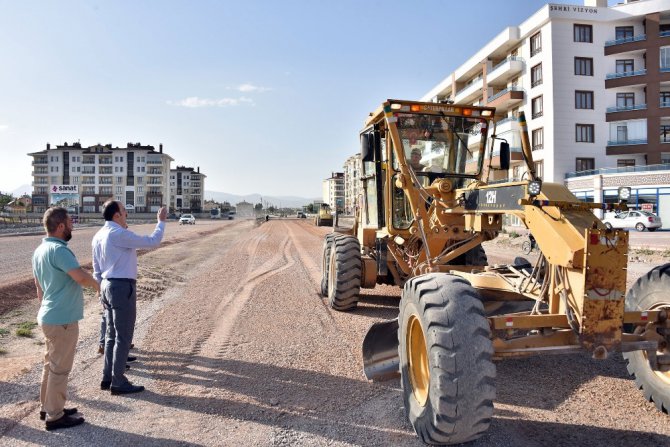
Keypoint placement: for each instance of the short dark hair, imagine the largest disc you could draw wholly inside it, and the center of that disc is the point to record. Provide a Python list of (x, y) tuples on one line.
[(53, 217), (109, 208)]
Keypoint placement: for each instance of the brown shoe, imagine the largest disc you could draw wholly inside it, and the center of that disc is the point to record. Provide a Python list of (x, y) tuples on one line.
[(64, 422), (101, 349)]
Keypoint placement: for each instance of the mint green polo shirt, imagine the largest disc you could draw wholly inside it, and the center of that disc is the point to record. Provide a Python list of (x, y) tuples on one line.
[(63, 297)]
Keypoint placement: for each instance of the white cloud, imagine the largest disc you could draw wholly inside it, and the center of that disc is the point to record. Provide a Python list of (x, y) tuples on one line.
[(3, 127), (245, 88), (194, 101)]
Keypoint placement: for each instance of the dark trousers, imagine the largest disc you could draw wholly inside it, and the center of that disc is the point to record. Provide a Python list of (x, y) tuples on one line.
[(120, 301)]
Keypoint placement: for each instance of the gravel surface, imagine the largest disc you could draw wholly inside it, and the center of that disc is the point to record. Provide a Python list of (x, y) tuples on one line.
[(236, 347)]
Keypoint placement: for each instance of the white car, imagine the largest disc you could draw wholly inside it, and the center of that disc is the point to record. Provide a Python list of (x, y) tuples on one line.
[(187, 219), (633, 219)]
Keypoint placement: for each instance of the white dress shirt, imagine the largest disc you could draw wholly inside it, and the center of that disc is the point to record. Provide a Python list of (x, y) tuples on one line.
[(114, 250)]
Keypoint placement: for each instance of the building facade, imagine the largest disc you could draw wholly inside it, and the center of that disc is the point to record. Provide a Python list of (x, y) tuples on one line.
[(187, 189), (83, 178), (594, 84), (353, 186), (333, 191)]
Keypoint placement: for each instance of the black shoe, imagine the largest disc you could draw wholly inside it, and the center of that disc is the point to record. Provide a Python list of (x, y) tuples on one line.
[(105, 384), (127, 367), (132, 345), (66, 411), (131, 358), (64, 422), (128, 388)]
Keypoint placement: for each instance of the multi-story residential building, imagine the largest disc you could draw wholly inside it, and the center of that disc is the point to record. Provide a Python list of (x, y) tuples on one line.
[(136, 175), (594, 84), (353, 186), (187, 189), (333, 191)]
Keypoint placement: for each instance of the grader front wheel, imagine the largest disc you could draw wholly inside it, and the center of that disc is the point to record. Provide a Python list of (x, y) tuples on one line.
[(325, 261), (447, 374), (344, 274), (650, 292)]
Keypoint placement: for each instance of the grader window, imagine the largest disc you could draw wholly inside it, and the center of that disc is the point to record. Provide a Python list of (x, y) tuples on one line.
[(442, 144)]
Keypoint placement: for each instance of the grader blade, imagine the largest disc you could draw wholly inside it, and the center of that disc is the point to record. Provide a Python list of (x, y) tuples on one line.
[(380, 351)]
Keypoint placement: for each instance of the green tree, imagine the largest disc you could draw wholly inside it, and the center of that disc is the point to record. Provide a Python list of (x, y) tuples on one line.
[(5, 199), (258, 206), (310, 208)]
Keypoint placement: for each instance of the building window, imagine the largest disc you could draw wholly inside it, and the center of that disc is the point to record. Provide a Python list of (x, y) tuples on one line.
[(665, 58), (583, 66), (624, 32), (665, 99), (585, 164), (583, 99), (584, 133), (625, 162), (622, 134), (539, 169), (536, 75), (665, 134), (536, 107), (535, 44), (583, 33), (538, 139), (625, 100), (624, 66)]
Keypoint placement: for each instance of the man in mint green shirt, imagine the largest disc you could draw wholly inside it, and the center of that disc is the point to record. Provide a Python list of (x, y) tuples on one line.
[(59, 280)]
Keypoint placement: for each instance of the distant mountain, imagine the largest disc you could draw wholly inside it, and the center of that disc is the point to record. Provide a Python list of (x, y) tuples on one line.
[(21, 190), (277, 201)]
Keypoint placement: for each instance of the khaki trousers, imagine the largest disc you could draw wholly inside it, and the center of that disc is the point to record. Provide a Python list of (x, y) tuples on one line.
[(61, 340)]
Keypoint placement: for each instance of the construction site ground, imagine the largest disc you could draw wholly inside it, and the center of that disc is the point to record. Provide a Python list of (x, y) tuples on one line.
[(236, 347)]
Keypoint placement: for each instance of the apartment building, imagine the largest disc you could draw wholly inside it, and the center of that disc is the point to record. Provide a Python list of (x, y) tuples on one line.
[(187, 189), (83, 178), (594, 84), (353, 186), (333, 191)]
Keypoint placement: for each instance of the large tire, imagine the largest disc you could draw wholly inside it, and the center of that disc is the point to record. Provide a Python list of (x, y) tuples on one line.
[(445, 349), (344, 275), (650, 292), (325, 261)]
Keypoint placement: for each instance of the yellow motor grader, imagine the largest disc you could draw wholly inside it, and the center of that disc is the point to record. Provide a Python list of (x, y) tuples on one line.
[(432, 193)]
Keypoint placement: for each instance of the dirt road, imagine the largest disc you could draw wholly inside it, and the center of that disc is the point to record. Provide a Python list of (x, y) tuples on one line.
[(236, 348)]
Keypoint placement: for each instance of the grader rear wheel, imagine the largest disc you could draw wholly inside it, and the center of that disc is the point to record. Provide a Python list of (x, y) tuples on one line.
[(650, 292), (344, 275), (447, 374)]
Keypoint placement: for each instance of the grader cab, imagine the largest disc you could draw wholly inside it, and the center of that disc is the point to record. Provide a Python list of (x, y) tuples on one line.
[(429, 200)]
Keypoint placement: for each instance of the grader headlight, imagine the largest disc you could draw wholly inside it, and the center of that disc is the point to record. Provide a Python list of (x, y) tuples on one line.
[(534, 187)]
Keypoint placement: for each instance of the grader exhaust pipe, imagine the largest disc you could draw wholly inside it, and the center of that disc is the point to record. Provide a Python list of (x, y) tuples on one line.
[(380, 351)]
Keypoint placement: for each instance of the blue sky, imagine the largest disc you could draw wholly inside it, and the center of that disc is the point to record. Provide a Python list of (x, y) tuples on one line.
[(264, 96)]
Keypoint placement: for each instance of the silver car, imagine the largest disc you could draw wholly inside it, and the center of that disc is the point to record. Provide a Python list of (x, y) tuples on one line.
[(633, 219), (187, 219)]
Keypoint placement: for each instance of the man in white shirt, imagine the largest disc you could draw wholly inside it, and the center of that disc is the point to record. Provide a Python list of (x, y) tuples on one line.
[(115, 269)]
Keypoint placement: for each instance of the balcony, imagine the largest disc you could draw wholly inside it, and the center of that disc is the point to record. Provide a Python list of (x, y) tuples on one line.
[(626, 108), (626, 74), (469, 92), (626, 142), (621, 41), (622, 113), (40, 161), (41, 181), (106, 170), (154, 162), (625, 44), (603, 171), (40, 172), (505, 69), (88, 160), (505, 98), (105, 161), (154, 172)]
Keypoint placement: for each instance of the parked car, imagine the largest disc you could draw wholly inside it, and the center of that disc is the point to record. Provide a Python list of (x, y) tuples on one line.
[(187, 219), (633, 219), (301, 215)]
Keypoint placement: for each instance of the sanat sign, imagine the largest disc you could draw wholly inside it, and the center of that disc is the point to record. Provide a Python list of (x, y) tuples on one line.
[(64, 189)]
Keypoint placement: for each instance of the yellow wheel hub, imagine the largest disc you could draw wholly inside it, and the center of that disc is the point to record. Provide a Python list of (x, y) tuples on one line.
[(419, 371)]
